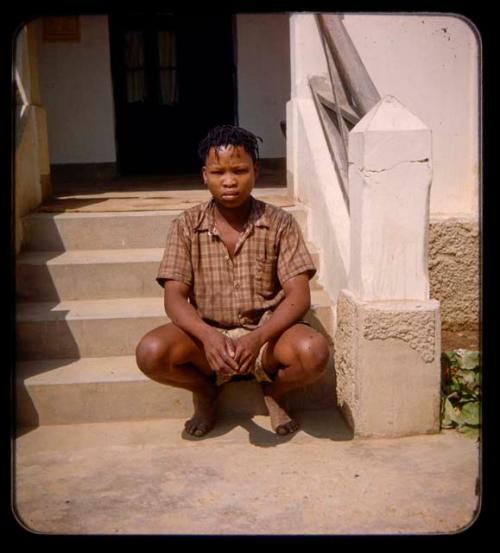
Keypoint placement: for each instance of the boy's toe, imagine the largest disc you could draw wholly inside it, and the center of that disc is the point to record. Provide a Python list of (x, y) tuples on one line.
[(287, 428), (201, 430), (196, 429)]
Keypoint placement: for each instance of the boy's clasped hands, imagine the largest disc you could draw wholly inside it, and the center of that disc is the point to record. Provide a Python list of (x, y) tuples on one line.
[(227, 355)]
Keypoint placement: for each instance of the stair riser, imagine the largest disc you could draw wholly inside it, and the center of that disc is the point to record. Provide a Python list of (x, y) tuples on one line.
[(87, 281), (105, 337), (46, 232), (144, 399), (94, 281)]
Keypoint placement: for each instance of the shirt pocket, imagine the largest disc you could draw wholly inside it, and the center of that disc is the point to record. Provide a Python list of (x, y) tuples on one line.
[(265, 276)]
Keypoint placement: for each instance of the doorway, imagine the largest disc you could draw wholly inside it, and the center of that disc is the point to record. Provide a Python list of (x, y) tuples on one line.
[(174, 77)]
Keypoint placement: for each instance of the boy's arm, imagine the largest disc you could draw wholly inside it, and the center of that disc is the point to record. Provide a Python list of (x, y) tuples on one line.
[(218, 348), (292, 308)]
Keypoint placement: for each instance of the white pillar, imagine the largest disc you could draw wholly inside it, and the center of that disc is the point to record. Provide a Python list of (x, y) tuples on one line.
[(389, 185), (388, 339)]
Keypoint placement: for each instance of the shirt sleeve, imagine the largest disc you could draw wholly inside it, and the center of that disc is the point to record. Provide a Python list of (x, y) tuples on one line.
[(293, 256), (176, 262)]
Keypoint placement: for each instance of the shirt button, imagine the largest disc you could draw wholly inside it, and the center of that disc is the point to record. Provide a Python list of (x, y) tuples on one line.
[(236, 284)]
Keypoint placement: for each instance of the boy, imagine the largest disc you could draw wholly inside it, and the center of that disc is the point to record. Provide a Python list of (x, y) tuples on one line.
[(235, 273)]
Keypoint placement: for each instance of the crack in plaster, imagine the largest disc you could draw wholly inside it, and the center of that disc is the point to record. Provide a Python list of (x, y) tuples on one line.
[(369, 172)]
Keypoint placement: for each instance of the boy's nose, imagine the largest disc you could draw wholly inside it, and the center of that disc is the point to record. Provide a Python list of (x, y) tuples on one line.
[(229, 181)]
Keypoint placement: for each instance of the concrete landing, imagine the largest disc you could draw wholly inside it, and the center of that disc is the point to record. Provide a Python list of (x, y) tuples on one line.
[(148, 478)]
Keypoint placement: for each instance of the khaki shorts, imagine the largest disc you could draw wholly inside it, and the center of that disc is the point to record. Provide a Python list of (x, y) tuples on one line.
[(256, 370)]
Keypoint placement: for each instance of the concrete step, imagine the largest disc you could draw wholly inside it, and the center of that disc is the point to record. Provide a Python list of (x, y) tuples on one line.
[(95, 274), (107, 230), (108, 327), (104, 389)]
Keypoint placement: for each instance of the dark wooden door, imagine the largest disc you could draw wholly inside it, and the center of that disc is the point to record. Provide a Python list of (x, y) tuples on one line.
[(174, 77)]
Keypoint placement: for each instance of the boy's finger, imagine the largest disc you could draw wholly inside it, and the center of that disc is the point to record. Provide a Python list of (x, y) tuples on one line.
[(237, 354), (245, 367), (230, 347), (226, 363), (215, 361), (230, 362)]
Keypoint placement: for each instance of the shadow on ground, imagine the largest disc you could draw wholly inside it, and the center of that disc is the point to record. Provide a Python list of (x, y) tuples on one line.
[(324, 424)]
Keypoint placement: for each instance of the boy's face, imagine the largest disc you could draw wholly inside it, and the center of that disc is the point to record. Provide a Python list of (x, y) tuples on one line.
[(230, 173)]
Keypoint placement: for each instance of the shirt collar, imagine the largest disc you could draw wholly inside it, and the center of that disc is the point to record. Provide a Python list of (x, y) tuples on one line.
[(258, 216)]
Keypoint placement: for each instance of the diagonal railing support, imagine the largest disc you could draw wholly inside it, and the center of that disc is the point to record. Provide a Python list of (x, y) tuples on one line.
[(350, 67)]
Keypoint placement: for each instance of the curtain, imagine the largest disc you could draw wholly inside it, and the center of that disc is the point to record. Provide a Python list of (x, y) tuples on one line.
[(134, 64), (168, 69)]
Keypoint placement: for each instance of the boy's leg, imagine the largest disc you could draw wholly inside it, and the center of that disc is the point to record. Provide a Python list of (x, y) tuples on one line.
[(297, 358), (170, 356)]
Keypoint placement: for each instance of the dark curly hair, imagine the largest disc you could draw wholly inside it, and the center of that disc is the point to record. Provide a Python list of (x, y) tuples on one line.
[(223, 135)]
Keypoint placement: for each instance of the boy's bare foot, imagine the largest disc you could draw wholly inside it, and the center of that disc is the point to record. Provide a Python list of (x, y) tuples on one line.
[(205, 409), (281, 422)]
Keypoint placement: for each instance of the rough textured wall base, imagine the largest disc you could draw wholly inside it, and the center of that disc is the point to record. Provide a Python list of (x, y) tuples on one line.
[(387, 360), (454, 271)]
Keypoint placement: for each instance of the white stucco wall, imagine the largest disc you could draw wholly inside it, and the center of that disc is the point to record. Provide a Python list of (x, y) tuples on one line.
[(263, 55), (430, 64), (75, 87)]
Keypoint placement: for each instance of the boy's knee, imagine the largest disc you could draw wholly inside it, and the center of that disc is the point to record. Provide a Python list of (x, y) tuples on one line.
[(149, 353), (314, 355)]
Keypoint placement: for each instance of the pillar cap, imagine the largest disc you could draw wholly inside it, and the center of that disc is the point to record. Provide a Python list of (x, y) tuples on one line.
[(389, 115)]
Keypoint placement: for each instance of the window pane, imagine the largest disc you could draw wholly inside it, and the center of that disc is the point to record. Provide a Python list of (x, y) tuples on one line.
[(134, 49), (168, 67), (167, 49)]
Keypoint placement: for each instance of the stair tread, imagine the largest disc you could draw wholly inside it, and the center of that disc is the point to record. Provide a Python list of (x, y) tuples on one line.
[(174, 210), (150, 200), (82, 370), (112, 308)]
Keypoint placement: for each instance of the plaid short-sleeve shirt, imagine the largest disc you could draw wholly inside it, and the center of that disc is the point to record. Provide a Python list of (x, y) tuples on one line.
[(230, 293)]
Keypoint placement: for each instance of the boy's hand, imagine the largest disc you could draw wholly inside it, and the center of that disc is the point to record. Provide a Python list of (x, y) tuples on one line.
[(220, 352), (246, 351)]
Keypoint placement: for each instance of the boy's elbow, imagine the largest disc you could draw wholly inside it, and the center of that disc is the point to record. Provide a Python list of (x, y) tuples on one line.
[(303, 300)]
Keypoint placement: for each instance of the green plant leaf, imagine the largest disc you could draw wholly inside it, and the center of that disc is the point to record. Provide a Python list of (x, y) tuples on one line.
[(468, 360), (470, 413), (467, 377), (449, 415), (450, 357), (469, 431)]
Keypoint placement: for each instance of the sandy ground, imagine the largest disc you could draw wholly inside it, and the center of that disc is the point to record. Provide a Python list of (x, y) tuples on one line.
[(148, 477)]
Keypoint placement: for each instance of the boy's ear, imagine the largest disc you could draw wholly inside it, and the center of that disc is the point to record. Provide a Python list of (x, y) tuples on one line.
[(204, 173), (256, 168)]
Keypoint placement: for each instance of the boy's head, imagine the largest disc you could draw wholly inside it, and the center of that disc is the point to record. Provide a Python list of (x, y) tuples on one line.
[(230, 164), (229, 135)]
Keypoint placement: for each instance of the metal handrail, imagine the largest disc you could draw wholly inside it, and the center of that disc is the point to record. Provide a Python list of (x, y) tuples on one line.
[(350, 67), (344, 98)]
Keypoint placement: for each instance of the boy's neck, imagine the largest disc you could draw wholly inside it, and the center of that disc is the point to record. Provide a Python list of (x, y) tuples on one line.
[(237, 215)]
